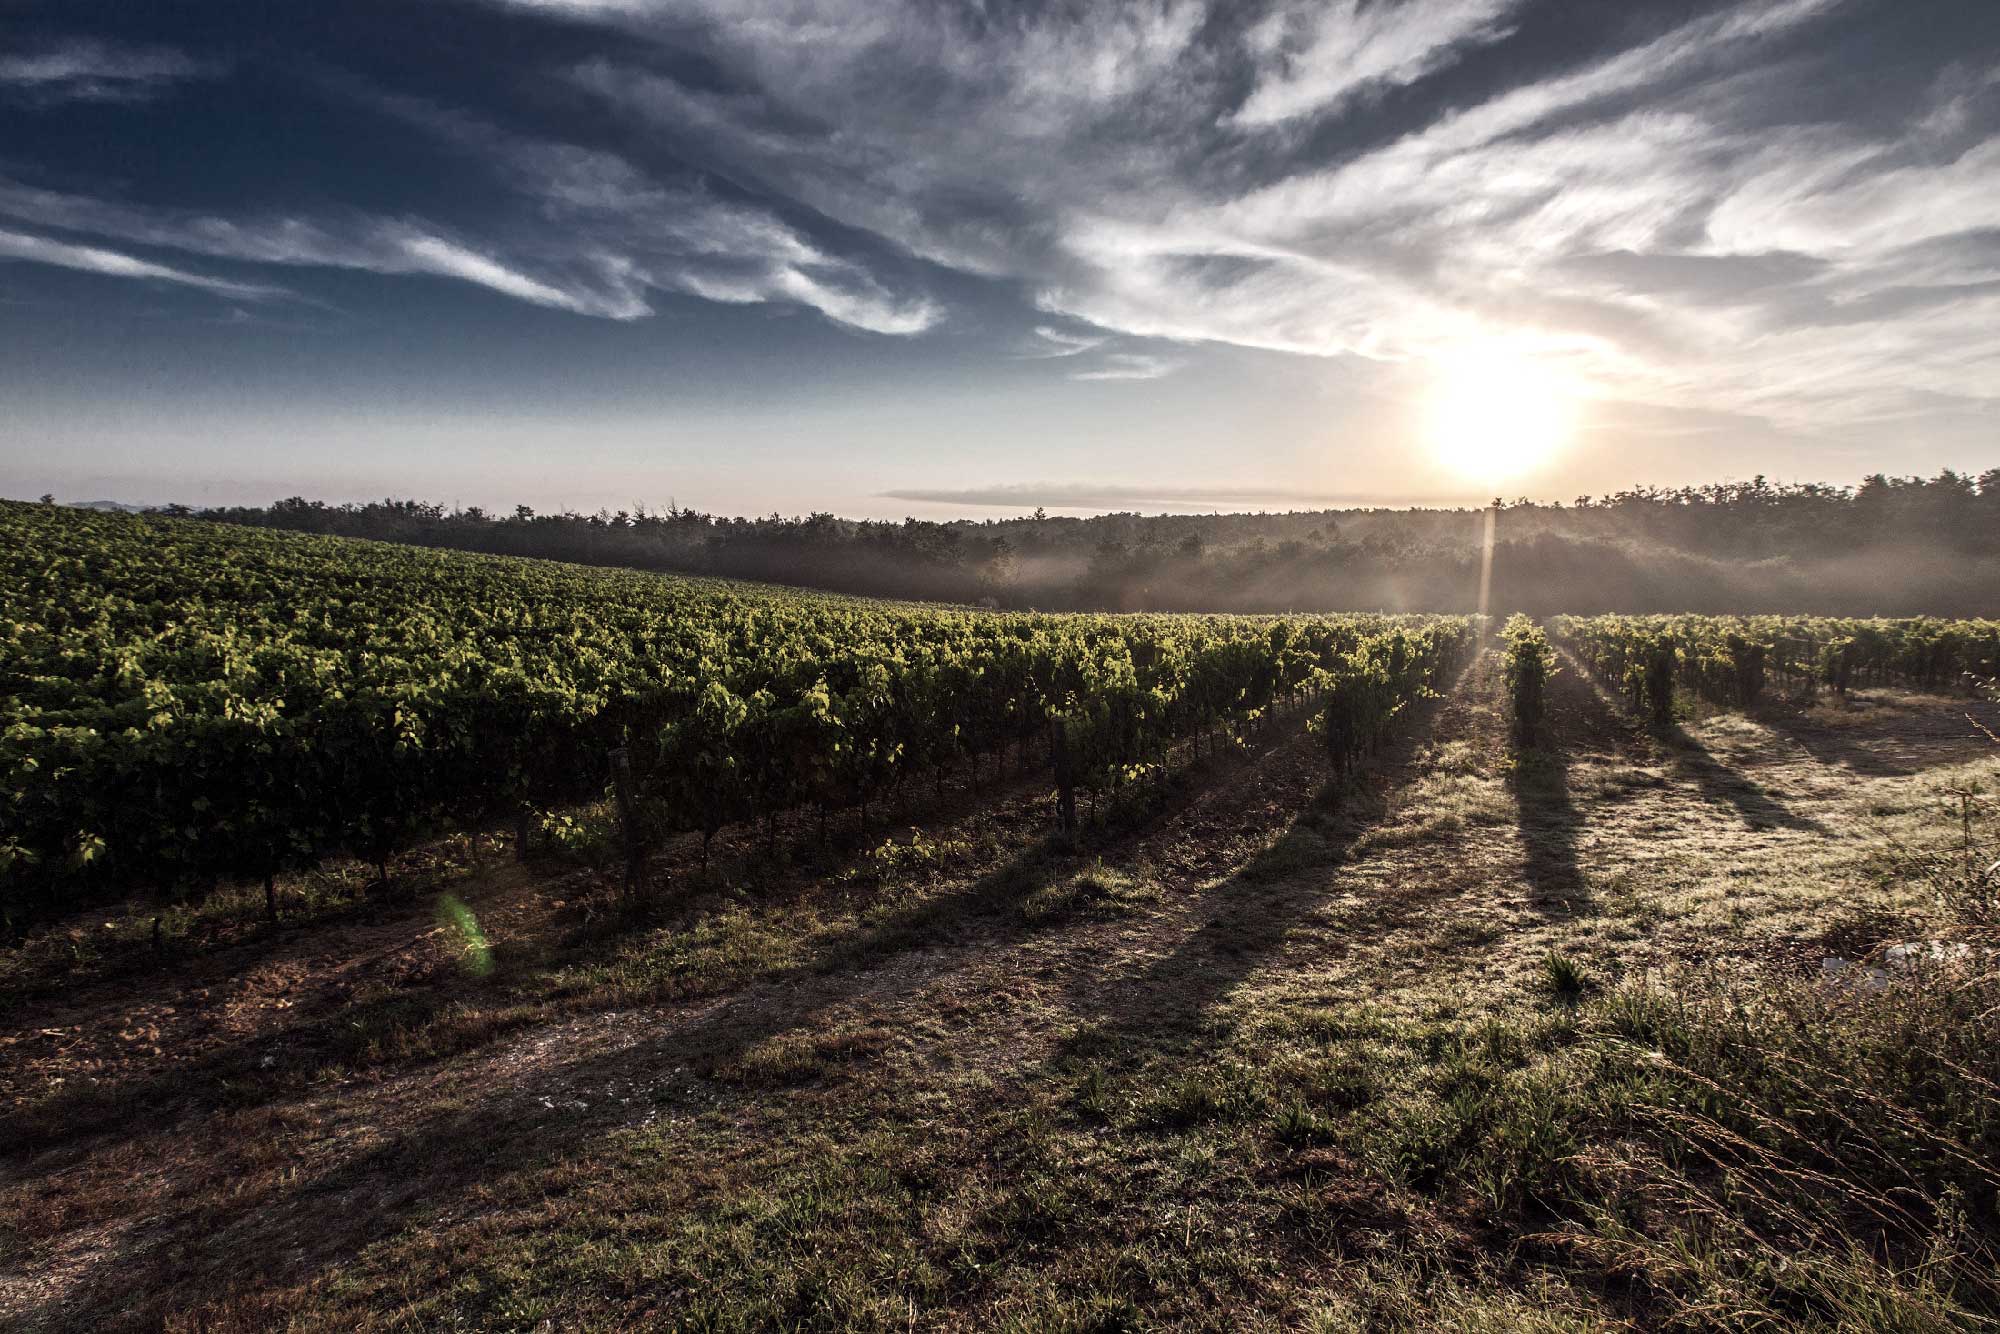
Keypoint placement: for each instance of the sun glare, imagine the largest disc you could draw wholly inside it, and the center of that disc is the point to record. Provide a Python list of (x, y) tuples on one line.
[(1495, 413)]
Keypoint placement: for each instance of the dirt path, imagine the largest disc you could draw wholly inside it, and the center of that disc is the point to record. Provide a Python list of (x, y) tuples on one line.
[(1440, 884)]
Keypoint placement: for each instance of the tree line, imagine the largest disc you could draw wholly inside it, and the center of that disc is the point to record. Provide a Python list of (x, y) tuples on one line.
[(1889, 545)]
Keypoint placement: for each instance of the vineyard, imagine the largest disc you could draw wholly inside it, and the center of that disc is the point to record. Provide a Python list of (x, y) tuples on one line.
[(1729, 661), (1065, 971), (187, 703)]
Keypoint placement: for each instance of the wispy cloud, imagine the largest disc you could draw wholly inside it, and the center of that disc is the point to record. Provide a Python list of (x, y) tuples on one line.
[(86, 71), (1052, 342), (672, 236), (113, 264), (372, 245), (1128, 366), (594, 235), (1313, 58)]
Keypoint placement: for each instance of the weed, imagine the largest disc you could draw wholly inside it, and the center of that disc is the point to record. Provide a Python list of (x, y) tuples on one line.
[(1093, 1096), (1298, 1124), (1563, 978), (1096, 892), (1203, 1097)]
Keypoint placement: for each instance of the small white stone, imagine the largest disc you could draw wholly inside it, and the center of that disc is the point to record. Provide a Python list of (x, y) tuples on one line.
[(1847, 973)]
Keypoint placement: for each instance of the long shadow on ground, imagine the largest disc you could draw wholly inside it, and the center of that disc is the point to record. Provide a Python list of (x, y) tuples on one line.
[(272, 1064), (1580, 722), (1724, 785), (1550, 825), (1257, 909), (526, 1120), (1720, 784), (1888, 743)]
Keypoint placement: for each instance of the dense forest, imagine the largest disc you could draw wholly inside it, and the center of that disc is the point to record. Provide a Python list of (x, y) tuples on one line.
[(1889, 546)]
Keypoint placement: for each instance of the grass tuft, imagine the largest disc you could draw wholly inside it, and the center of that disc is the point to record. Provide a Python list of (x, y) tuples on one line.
[(1563, 977)]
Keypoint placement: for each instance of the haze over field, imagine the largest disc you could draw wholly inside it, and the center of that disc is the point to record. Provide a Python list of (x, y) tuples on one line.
[(897, 258)]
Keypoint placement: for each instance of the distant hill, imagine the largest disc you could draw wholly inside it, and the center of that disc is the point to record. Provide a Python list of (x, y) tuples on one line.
[(108, 506)]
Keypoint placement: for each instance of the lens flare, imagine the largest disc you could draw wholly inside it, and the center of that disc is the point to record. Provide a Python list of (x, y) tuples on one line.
[(475, 956)]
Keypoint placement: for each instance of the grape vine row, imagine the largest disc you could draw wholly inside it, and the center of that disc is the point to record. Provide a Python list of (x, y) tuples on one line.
[(1728, 660), (186, 703)]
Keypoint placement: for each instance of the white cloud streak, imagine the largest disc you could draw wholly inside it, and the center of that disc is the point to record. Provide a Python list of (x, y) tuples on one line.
[(434, 254), (1053, 342), (1128, 366), (369, 245), (113, 264), (676, 238), (1316, 57), (81, 71)]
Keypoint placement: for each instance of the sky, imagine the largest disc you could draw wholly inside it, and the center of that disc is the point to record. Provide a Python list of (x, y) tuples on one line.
[(890, 257)]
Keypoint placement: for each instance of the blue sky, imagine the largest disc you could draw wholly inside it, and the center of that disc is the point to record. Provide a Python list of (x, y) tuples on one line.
[(886, 258)]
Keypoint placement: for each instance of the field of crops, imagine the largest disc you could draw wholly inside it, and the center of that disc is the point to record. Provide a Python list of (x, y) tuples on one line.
[(187, 702)]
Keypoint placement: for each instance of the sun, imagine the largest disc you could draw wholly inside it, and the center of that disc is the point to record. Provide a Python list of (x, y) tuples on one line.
[(1495, 413)]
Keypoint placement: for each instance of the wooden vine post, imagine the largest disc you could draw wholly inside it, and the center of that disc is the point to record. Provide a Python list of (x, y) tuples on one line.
[(523, 830), (628, 823), (1065, 774)]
